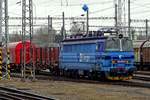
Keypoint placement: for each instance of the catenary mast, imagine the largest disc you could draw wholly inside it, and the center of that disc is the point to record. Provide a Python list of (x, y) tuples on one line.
[(27, 32)]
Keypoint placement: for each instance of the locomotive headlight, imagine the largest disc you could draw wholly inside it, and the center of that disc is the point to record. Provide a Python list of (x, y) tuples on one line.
[(120, 36), (127, 62), (97, 67), (114, 61)]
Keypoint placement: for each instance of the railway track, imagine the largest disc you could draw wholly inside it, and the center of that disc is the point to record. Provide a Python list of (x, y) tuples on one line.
[(143, 72), (14, 94), (142, 75), (135, 82)]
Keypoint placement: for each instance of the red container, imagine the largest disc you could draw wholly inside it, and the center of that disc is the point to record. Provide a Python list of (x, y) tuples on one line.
[(16, 52), (43, 57)]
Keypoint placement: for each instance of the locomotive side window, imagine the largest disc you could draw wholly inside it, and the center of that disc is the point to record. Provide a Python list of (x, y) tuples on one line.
[(100, 46), (67, 48), (78, 48)]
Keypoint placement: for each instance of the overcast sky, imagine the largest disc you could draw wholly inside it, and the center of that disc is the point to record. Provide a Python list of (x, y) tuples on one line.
[(139, 8)]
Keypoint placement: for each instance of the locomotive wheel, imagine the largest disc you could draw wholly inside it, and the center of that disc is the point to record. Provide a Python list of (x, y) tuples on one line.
[(61, 72), (103, 76), (57, 72), (65, 73), (76, 74), (94, 75), (90, 76), (69, 73), (37, 71)]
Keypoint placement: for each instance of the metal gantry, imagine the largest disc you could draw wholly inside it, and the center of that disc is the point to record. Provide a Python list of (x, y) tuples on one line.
[(28, 70), (4, 51), (121, 17)]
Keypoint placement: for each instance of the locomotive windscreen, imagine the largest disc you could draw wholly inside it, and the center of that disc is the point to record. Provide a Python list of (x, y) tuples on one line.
[(116, 44)]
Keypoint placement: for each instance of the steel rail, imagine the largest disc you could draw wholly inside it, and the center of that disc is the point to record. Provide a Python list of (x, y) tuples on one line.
[(133, 83), (15, 94)]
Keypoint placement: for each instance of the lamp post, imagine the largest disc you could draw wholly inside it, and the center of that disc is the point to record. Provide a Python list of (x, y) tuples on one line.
[(87, 24), (86, 9)]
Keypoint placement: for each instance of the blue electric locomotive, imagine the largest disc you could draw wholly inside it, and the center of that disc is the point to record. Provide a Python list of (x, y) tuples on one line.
[(97, 56)]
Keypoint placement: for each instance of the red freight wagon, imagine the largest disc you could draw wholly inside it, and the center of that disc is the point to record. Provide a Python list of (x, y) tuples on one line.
[(16, 52), (43, 57), (54, 58), (40, 56), (47, 57)]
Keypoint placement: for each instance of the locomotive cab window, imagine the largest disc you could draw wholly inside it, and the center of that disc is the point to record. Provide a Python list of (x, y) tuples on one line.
[(127, 44), (112, 44), (118, 44)]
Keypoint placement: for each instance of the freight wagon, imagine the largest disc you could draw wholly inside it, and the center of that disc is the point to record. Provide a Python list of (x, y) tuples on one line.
[(43, 57), (142, 54), (16, 55), (97, 56)]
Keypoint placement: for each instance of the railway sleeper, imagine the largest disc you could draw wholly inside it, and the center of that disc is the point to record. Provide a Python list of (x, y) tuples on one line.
[(6, 96), (23, 96)]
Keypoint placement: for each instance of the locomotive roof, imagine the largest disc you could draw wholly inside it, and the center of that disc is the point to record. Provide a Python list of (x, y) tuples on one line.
[(83, 40), (80, 38)]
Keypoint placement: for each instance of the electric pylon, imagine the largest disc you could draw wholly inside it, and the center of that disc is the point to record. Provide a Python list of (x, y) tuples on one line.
[(28, 70), (4, 51)]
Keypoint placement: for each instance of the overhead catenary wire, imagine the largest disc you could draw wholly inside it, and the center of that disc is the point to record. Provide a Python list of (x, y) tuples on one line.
[(70, 4), (136, 5), (101, 10), (141, 12), (101, 2), (139, 6)]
